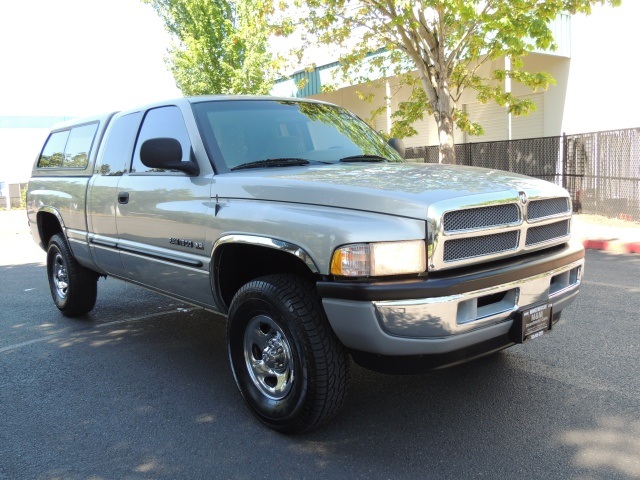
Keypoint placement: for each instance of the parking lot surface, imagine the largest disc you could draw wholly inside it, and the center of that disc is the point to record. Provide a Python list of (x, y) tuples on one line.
[(141, 388)]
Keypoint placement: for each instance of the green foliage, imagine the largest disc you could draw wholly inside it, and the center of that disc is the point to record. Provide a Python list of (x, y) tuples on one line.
[(23, 197), (447, 42), (219, 46)]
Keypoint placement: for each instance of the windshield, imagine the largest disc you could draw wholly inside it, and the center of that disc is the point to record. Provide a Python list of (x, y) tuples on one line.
[(239, 132)]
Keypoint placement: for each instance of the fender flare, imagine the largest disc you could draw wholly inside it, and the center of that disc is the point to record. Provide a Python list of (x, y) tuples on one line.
[(55, 213), (256, 241)]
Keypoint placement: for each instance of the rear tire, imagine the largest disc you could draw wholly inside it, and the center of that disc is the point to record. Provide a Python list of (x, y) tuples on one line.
[(288, 363), (74, 289)]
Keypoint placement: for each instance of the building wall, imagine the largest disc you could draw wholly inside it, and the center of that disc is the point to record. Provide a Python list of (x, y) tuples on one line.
[(552, 100)]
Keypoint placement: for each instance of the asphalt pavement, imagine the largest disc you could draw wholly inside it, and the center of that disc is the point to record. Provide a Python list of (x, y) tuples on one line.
[(141, 389)]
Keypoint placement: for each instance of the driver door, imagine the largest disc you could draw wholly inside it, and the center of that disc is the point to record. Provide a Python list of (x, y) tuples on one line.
[(163, 216)]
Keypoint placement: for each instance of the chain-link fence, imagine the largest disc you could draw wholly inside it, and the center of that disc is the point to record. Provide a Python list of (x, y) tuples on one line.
[(601, 170)]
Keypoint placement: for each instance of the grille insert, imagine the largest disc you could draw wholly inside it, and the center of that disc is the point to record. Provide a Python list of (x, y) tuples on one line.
[(469, 235), (547, 208), (462, 248), (544, 233), (481, 217)]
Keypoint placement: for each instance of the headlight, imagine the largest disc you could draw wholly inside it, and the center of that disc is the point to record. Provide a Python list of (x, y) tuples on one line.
[(379, 259)]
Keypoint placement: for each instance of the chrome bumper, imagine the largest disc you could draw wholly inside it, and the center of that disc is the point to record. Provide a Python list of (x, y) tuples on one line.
[(447, 323)]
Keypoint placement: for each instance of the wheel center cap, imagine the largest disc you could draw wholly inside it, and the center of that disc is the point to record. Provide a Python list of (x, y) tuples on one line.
[(274, 355)]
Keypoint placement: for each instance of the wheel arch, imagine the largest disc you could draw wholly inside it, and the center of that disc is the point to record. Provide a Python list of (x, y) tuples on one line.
[(238, 259), (49, 223)]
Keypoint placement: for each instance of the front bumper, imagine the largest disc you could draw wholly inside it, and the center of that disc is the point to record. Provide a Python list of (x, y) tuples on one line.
[(456, 316)]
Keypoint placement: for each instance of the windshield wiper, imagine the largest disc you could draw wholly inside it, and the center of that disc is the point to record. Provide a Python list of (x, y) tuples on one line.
[(364, 158), (273, 162)]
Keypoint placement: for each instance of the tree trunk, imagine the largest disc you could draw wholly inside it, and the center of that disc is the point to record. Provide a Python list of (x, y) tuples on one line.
[(437, 90), (446, 149)]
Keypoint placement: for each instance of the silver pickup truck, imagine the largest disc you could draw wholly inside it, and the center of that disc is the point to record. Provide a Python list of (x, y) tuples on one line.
[(308, 233)]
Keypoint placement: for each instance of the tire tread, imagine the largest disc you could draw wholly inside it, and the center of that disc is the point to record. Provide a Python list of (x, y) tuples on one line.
[(329, 361), (83, 283)]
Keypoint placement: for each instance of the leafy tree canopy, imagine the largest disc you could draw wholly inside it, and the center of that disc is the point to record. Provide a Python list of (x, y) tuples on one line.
[(218, 46)]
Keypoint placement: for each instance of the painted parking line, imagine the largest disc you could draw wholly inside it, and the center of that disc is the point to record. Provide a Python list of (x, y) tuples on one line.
[(28, 342), (144, 317)]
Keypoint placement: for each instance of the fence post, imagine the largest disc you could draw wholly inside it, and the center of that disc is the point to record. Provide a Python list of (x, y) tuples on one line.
[(564, 159)]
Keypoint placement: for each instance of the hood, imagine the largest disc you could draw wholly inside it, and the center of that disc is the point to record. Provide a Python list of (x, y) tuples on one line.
[(403, 189)]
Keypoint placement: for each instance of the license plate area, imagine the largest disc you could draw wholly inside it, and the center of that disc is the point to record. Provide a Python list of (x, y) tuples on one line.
[(531, 322)]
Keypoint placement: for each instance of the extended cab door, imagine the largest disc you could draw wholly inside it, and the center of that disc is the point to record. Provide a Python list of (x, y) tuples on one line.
[(102, 195), (162, 216)]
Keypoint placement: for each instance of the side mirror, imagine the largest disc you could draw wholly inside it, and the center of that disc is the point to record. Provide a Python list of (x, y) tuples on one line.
[(398, 145), (166, 153)]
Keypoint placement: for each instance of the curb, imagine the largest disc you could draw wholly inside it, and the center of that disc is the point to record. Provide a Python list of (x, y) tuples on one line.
[(612, 246)]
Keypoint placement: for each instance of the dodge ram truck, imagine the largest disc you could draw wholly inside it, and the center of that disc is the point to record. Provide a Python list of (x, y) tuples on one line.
[(307, 232)]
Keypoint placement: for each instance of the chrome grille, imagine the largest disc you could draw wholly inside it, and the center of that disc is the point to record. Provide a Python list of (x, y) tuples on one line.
[(545, 233), (470, 247), (473, 218), (482, 228), (547, 208)]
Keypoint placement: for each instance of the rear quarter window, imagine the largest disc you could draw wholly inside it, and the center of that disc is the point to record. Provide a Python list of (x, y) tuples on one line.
[(68, 148), (76, 153), (53, 150)]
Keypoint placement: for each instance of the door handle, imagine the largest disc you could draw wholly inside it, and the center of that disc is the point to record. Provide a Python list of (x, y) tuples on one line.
[(123, 197)]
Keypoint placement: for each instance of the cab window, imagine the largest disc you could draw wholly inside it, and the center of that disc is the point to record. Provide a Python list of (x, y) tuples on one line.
[(116, 156), (162, 122)]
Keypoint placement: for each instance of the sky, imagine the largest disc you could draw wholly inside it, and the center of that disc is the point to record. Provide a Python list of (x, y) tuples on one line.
[(81, 57), (603, 93)]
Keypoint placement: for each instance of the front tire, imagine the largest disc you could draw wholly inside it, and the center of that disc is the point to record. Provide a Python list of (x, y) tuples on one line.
[(74, 289), (288, 364)]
